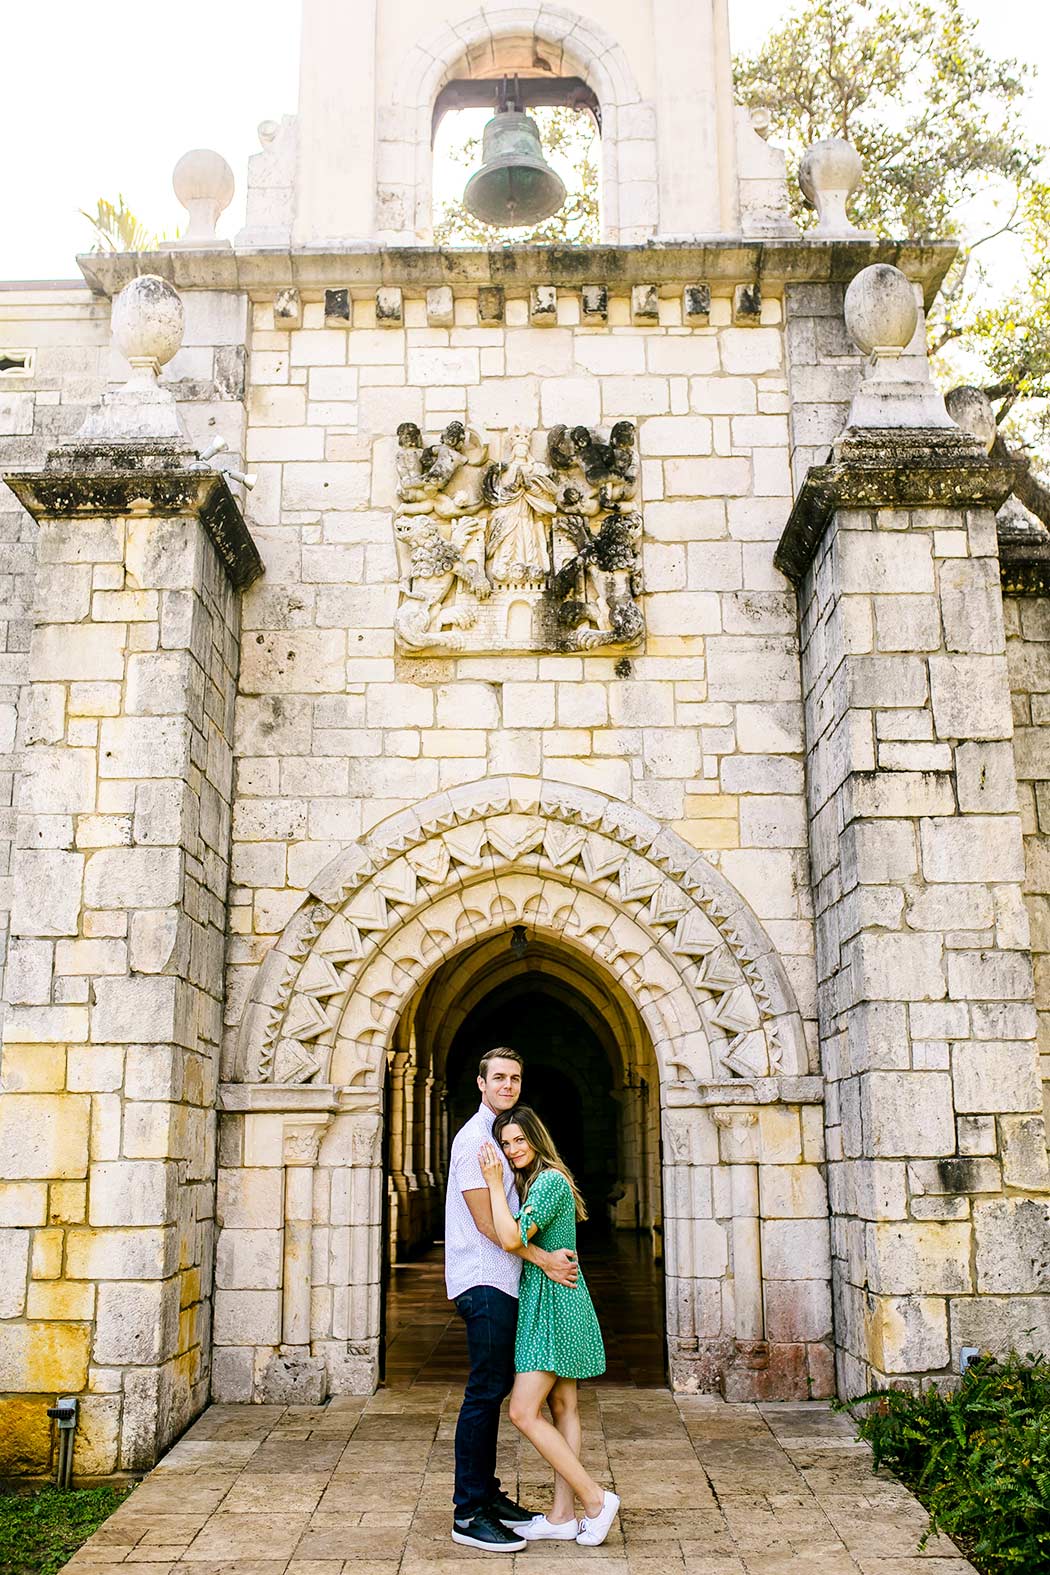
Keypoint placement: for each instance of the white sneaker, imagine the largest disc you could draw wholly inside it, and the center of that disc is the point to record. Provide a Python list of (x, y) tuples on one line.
[(594, 1529), (540, 1529)]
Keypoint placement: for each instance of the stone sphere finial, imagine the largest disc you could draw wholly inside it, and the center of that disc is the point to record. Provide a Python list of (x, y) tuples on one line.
[(148, 323), (880, 310), (203, 182), (761, 120), (829, 174), (971, 410)]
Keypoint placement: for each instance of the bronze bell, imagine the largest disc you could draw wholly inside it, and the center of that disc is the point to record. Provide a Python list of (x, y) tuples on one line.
[(515, 184)]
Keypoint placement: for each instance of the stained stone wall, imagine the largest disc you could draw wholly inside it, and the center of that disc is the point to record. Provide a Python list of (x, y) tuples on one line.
[(662, 817), (63, 335), (63, 331), (114, 979), (936, 1144), (1028, 660), (114, 986), (336, 730)]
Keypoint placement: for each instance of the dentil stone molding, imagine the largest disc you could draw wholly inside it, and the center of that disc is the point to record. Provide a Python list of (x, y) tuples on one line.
[(602, 877), (519, 553)]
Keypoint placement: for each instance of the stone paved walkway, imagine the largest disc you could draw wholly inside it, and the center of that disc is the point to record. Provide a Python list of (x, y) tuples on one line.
[(362, 1487)]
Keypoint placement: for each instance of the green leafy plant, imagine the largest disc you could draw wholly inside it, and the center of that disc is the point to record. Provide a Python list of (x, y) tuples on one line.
[(940, 126), (41, 1529), (976, 1457), (117, 229)]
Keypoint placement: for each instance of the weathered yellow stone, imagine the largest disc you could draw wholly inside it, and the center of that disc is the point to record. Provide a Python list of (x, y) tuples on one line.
[(47, 1254), (68, 1202), (195, 1087), (780, 1135), (907, 1333), (33, 1069), (96, 1446), (61, 1299), (190, 1287), (711, 806), (44, 1135), (675, 645), (187, 1328), (709, 834), (41, 1358), (25, 1436)]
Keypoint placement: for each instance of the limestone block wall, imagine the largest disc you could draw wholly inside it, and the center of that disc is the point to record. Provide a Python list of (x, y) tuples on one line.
[(824, 368), (61, 335), (935, 1144), (114, 990), (335, 731), (1028, 660)]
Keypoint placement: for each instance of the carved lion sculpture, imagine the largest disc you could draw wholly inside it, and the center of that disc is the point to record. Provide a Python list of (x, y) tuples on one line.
[(423, 622)]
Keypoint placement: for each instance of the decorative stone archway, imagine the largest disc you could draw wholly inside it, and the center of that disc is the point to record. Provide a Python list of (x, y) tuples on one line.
[(500, 38), (599, 880), (608, 1075)]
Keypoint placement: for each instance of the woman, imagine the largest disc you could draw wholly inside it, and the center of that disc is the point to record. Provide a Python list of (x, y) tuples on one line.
[(523, 499), (558, 1339)]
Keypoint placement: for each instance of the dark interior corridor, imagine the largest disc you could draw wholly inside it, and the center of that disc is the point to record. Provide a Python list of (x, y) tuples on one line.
[(590, 1077)]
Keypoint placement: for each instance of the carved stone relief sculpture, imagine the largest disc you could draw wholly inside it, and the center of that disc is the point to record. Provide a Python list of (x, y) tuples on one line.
[(528, 551)]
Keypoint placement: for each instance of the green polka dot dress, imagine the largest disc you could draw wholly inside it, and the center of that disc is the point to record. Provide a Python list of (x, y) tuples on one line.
[(557, 1328)]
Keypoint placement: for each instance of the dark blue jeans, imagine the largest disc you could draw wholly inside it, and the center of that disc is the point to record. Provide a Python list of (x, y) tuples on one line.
[(491, 1317)]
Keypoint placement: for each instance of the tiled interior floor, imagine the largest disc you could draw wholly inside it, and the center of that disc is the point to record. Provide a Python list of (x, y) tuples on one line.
[(425, 1337), (363, 1487)]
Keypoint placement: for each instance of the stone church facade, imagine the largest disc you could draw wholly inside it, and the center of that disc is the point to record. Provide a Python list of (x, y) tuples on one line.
[(630, 622)]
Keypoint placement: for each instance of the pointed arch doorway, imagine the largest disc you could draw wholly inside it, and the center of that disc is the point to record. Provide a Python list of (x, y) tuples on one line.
[(591, 1074)]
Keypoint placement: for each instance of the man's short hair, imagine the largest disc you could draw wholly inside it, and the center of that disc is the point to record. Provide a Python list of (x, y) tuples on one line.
[(501, 1053)]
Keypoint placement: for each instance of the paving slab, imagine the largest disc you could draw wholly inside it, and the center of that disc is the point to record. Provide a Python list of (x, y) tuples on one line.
[(364, 1486)]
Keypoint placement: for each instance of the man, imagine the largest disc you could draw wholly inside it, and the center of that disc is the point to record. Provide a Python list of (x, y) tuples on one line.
[(482, 1280)]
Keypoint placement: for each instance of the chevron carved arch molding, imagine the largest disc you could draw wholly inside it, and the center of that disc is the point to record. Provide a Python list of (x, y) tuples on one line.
[(601, 877)]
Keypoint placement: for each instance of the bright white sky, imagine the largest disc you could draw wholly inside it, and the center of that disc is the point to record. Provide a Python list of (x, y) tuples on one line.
[(98, 100)]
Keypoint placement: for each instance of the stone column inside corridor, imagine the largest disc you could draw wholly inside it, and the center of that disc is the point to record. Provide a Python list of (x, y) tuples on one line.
[(927, 1020), (114, 985)]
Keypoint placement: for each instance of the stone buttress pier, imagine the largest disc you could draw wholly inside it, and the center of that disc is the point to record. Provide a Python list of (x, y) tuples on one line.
[(115, 969), (937, 1167)]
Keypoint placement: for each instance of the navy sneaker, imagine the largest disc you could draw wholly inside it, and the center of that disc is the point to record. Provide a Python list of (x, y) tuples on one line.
[(505, 1510), (483, 1531)]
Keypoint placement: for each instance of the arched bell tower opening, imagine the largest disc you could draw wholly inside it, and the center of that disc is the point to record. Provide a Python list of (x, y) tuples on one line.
[(591, 1073), (549, 65)]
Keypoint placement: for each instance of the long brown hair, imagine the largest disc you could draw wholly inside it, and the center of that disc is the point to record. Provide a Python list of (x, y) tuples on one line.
[(545, 1155)]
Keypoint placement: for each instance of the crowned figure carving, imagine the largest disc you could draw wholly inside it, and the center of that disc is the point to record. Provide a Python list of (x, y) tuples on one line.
[(520, 552)]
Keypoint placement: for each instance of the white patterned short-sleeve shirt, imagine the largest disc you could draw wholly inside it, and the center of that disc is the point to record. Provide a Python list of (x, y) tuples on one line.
[(470, 1258)]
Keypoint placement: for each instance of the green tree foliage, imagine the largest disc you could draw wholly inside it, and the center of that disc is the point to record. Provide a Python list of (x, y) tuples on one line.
[(117, 229), (940, 126), (571, 135)]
